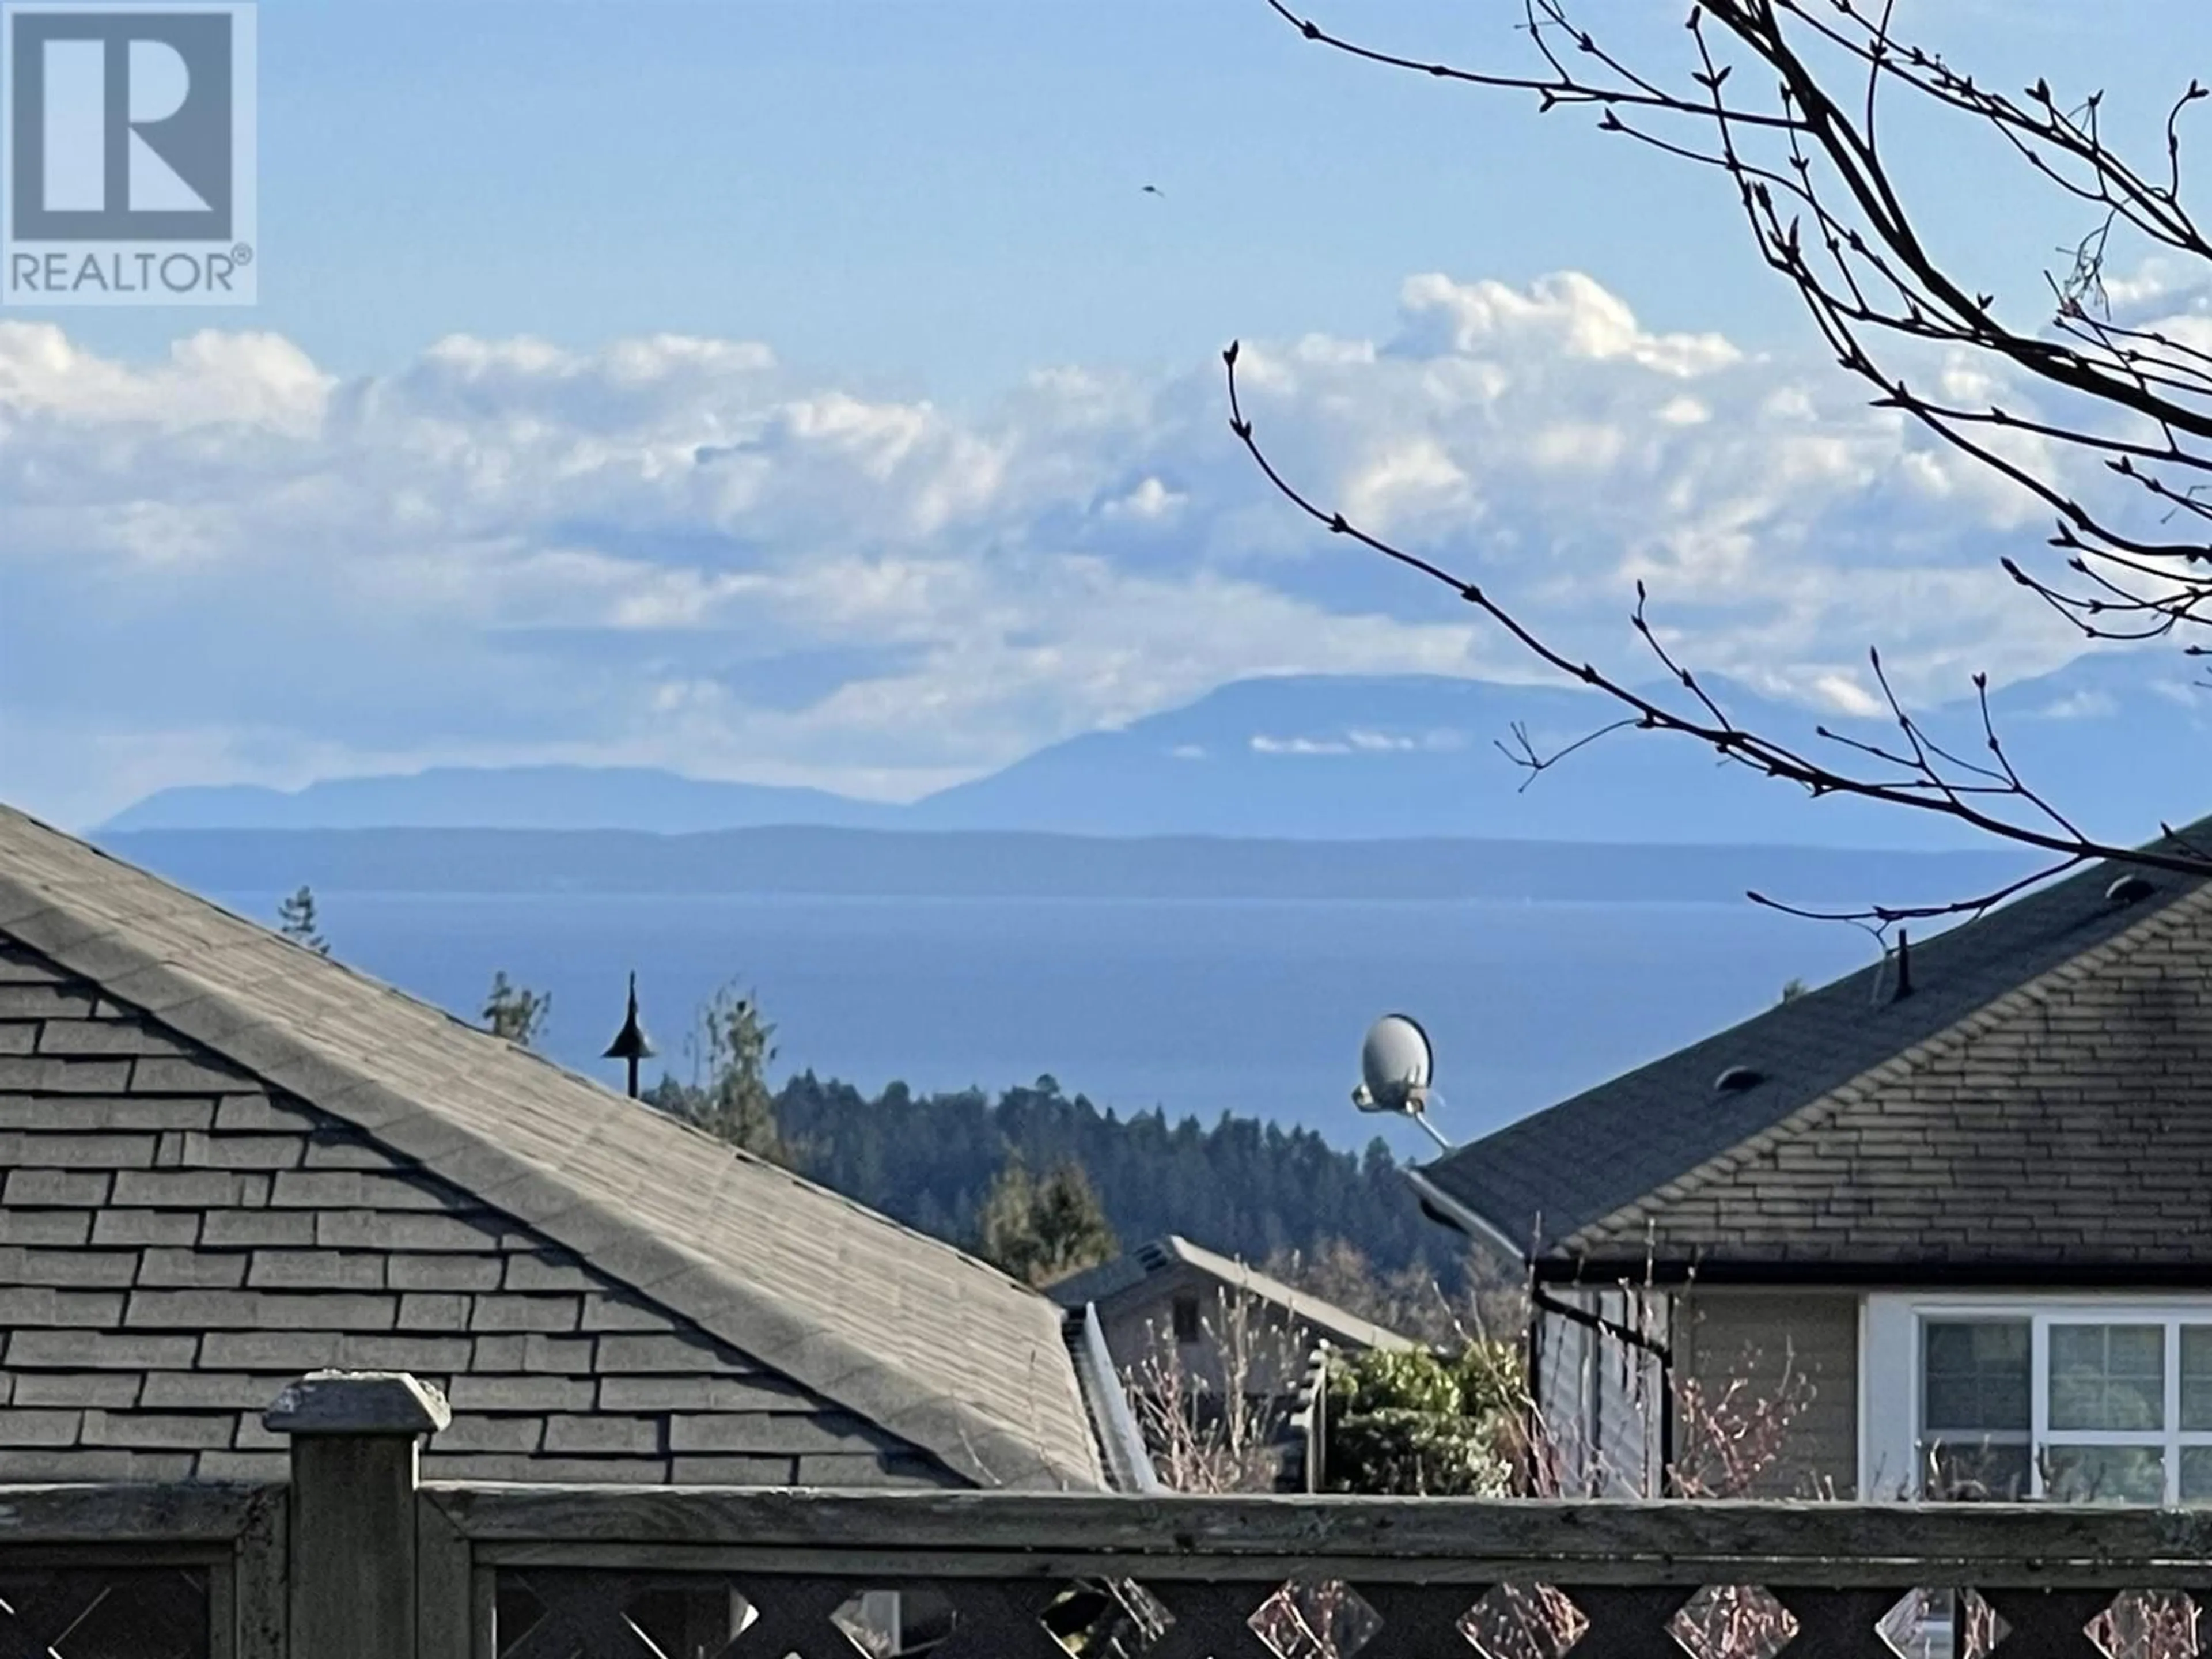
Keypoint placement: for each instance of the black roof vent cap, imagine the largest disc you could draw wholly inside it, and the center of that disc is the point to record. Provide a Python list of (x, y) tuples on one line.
[(2128, 888), (1736, 1079)]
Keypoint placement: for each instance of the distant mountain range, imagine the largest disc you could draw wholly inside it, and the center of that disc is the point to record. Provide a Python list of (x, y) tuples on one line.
[(2120, 741)]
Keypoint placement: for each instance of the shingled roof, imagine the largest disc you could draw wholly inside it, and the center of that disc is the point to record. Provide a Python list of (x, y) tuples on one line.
[(2041, 1098), (1160, 1258), (809, 1297)]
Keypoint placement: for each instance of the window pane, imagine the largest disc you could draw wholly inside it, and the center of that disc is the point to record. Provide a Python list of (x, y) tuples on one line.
[(2196, 1475), (1187, 1326), (2107, 1376), (1965, 1472), (2196, 1376), (2103, 1474), (1976, 1376)]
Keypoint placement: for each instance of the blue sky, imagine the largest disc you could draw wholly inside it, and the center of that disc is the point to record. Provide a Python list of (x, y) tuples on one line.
[(804, 390), (944, 194), (947, 194)]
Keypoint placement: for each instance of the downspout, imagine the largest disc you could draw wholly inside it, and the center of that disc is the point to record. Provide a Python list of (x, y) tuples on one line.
[(1533, 1426)]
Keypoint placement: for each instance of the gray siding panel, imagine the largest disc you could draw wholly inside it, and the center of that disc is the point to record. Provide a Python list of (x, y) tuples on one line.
[(1563, 1402), (1801, 1343)]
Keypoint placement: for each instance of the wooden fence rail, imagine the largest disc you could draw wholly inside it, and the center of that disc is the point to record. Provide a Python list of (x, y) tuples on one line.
[(143, 1572), (354, 1559)]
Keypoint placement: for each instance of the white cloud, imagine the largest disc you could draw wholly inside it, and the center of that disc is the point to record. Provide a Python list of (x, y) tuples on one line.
[(1266, 745), (210, 378), (1151, 501), (1357, 742), (670, 551), (1571, 312), (1844, 694)]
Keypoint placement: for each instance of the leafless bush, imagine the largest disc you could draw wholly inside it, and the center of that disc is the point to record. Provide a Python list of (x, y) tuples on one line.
[(2147, 1624), (1308, 1621), (1524, 1621), (1489, 1301), (1216, 1424), (1730, 1435)]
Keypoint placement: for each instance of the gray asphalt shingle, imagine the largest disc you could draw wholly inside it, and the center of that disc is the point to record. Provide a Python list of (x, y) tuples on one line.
[(301, 1167), (1852, 1112)]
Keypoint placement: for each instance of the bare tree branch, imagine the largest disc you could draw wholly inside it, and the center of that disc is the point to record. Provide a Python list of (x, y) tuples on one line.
[(1786, 98), (1992, 799)]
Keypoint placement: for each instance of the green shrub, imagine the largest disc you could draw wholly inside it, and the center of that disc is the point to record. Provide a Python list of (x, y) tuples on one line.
[(1423, 1423)]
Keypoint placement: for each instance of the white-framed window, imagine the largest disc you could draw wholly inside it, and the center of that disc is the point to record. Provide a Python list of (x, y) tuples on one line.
[(2083, 1400)]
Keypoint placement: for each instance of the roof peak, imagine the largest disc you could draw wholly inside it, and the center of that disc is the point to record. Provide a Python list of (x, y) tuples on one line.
[(1551, 1175), (906, 1330)]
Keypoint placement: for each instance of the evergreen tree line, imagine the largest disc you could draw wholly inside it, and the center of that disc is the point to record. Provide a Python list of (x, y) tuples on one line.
[(1252, 1189)]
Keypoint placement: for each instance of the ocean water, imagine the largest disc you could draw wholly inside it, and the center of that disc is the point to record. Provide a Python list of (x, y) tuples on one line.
[(1254, 1008)]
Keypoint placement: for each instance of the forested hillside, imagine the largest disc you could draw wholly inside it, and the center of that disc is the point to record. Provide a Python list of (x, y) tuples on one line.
[(1238, 1185)]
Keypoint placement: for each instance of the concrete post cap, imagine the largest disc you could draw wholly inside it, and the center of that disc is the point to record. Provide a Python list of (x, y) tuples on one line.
[(358, 1402)]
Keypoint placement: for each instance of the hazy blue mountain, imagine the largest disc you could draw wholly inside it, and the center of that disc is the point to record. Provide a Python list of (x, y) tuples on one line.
[(518, 797), (1341, 757), (2120, 739)]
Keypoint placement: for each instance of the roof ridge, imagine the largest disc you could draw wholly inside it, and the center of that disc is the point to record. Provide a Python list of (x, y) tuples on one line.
[(2100, 873), (936, 1417), (1268, 1285), (532, 1055), (1553, 1175), (2178, 908)]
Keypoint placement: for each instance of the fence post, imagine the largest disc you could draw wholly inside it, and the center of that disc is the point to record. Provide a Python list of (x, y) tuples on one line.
[(355, 1442)]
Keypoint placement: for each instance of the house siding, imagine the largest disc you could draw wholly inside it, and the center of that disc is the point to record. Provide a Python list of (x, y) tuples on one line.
[(1807, 1340), (178, 1242), (1138, 1325)]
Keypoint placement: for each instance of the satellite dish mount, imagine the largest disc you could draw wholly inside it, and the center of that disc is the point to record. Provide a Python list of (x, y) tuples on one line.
[(1396, 1068)]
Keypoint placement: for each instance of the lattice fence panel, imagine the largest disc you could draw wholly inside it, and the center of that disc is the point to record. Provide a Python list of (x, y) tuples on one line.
[(558, 1614), (123, 1613)]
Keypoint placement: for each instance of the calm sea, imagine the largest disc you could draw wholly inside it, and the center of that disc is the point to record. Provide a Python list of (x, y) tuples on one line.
[(1254, 1008)]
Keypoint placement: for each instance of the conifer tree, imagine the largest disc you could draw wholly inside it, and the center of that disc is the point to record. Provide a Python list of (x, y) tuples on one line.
[(295, 919), (1043, 1231), (516, 1011)]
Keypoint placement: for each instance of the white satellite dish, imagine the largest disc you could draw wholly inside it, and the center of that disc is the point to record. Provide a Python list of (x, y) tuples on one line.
[(1397, 1068)]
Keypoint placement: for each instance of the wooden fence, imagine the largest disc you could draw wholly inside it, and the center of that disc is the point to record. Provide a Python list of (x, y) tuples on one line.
[(354, 1559)]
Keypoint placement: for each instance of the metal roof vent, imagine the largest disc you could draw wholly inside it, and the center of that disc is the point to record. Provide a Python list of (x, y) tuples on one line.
[(1154, 1255), (1736, 1079), (2128, 888)]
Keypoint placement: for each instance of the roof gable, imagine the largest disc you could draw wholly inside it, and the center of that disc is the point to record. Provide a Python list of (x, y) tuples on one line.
[(1168, 1263), (1541, 1185), (900, 1329), (2064, 1130)]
